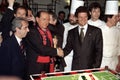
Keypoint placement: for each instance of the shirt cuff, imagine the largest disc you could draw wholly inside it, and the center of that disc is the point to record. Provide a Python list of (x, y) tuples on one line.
[(10, 8)]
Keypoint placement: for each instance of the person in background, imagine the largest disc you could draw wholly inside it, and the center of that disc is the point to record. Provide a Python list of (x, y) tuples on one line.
[(61, 17), (85, 41), (56, 29), (53, 18), (52, 23), (95, 12), (8, 17), (59, 62), (30, 17), (12, 57), (68, 26), (40, 52), (60, 28), (111, 37)]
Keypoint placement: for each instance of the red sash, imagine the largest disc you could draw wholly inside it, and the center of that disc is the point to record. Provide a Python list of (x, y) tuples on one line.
[(43, 59), (46, 59)]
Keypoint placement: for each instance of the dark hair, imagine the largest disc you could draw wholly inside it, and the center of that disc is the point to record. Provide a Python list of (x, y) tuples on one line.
[(107, 16), (39, 13), (16, 4), (54, 16), (94, 5), (29, 10), (61, 12), (80, 10), (20, 7)]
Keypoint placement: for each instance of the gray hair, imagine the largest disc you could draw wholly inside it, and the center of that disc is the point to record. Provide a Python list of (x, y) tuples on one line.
[(17, 23)]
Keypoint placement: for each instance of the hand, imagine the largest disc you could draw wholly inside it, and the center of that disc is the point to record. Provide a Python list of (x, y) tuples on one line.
[(11, 3), (60, 52), (118, 67), (31, 18), (55, 41)]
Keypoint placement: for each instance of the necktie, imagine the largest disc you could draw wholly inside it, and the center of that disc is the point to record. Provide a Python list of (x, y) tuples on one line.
[(22, 47), (81, 35)]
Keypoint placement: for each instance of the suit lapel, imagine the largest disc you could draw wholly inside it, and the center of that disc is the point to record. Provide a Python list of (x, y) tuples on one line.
[(17, 47), (88, 34), (77, 35)]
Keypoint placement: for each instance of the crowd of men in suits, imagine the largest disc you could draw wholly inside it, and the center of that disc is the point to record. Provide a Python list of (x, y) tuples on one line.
[(33, 45)]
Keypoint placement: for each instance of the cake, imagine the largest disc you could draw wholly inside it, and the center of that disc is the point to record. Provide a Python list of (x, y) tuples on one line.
[(87, 76)]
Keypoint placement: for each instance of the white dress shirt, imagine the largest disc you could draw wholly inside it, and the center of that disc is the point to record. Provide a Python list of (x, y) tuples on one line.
[(18, 39), (84, 30)]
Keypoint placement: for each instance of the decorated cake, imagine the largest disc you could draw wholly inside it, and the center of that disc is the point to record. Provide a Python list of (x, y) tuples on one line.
[(88, 74), (102, 75)]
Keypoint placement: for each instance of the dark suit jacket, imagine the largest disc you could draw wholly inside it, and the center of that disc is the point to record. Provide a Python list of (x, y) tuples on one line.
[(88, 54), (35, 48), (58, 31), (6, 24), (12, 60)]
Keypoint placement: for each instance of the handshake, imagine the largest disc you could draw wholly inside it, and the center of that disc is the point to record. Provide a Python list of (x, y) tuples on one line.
[(60, 52)]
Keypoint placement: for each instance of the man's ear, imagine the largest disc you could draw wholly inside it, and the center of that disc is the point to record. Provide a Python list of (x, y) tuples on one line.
[(37, 19)]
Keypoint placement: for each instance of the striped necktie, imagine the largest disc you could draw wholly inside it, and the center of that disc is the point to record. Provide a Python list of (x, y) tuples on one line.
[(22, 47)]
